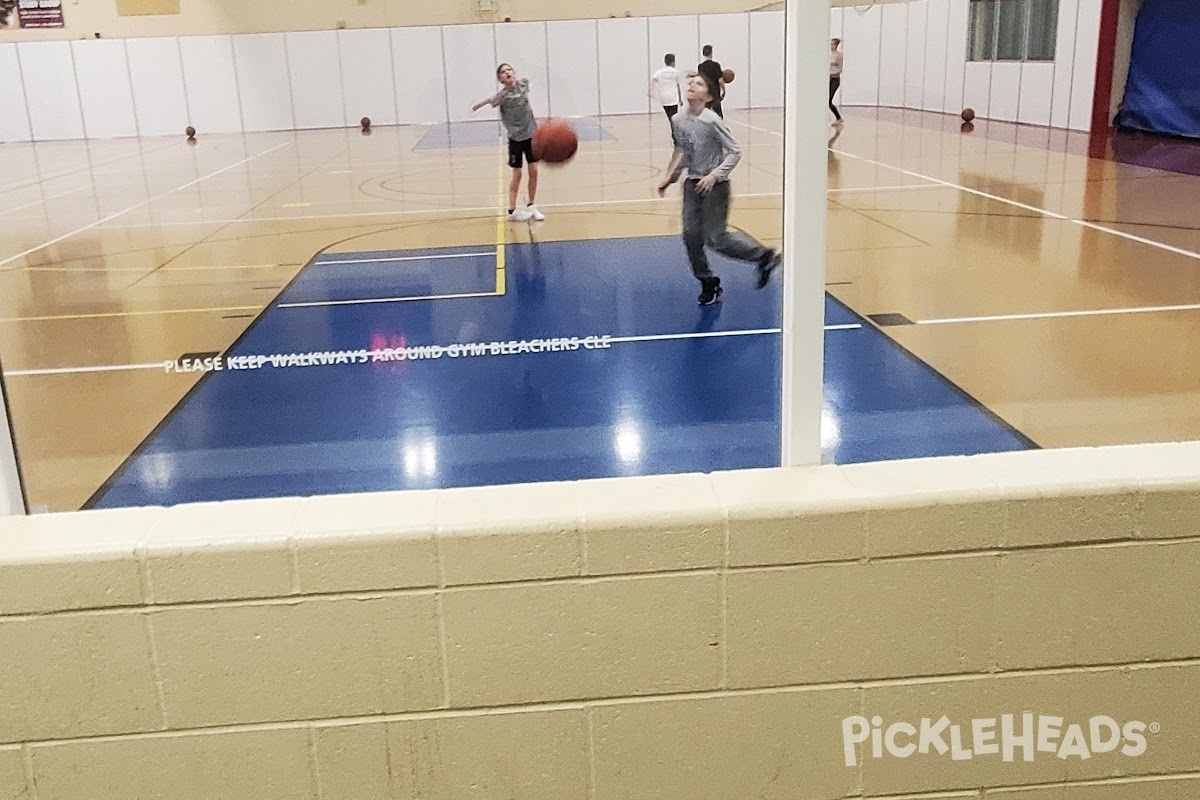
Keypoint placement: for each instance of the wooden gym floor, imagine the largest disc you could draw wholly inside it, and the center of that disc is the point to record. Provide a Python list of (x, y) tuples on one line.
[(1060, 291)]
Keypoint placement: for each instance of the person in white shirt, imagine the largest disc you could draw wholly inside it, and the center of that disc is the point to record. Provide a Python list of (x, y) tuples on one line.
[(835, 76), (664, 87)]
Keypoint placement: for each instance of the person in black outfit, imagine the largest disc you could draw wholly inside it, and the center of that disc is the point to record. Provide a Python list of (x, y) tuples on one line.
[(712, 70), (835, 76)]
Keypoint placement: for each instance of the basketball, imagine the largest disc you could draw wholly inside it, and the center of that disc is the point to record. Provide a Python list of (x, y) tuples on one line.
[(727, 76), (968, 114), (555, 141), (191, 132)]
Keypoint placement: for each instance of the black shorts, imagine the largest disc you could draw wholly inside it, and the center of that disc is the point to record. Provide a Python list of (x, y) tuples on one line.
[(518, 149)]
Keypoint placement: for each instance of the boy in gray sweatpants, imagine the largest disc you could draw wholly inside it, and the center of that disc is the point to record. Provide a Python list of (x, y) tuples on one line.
[(707, 151)]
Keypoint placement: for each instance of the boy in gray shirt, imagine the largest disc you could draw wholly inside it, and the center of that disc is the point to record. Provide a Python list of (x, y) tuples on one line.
[(517, 115), (707, 151)]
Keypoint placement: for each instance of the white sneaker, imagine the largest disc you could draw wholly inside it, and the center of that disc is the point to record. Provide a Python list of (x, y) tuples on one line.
[(537, 215), (519, 215)]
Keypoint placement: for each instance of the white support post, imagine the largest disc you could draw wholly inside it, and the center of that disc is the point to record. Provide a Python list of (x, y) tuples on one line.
[(12, 501), (806, 132)]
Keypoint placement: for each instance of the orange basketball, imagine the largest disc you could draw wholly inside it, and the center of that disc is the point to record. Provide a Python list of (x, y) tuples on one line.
[(968, 114), (555, 141), (727, 76)]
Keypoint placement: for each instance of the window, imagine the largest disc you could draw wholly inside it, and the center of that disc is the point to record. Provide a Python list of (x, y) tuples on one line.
[(1012, 30)]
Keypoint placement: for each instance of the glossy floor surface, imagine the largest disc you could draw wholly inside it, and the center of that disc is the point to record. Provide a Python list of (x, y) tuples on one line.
[(991, 290)]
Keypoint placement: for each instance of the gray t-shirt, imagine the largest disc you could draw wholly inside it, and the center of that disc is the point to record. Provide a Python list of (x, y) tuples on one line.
[(705, 146), (515, 111)]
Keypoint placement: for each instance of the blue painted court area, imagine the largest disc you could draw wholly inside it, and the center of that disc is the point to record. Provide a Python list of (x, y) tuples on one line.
[(378, 371), (486, 133)]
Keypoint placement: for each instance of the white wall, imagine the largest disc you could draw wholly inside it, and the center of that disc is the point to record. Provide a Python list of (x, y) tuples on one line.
[(862, 34), (14, 123), (323, 79), (913, 55), (156, 73), (905, 55), (11, 502)]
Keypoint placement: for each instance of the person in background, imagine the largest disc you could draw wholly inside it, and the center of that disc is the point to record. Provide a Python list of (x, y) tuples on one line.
[(712, 70), (835, 77), (664, 87)]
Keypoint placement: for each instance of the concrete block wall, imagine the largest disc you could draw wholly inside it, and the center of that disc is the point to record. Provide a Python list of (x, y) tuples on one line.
[(1015, 626)]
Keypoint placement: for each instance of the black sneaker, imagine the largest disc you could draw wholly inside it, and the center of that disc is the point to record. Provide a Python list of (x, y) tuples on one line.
[(767, 267), (710, 291)]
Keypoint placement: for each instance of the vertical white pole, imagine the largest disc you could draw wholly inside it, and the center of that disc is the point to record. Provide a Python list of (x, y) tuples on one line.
[(12, 502), (806, 129)]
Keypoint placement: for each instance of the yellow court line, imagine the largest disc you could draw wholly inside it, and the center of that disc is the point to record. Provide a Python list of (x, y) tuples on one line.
[(500, 227), (133, 313)]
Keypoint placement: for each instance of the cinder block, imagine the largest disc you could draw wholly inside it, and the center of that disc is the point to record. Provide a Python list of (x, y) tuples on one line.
[(784, 744), (792, 516), (1170, 511), (651, 524), (72, 561), (353, 762), (264, 765), (936, 527), (366, 542), (583, 639), (838, 622), (1105, 605), (72, 584), (222, 551), (516, 756), (68, 676), (12, 775), (310, 659), (496, 534)]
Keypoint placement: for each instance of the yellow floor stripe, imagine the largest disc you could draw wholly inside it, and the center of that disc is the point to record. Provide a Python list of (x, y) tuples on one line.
[(133, 313), (500, 228)]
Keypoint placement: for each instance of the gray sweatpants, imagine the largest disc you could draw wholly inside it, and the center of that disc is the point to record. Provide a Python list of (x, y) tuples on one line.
[(706, 223)]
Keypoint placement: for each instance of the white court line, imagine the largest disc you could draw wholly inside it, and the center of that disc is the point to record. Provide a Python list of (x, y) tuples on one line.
[(474, 209), (58, 196), (433, 160), (449, 209), (21, 373), (405, 258), (902, 188), (373, 300), (163, 365), (1098, 312), (1037, 210), (111, 217), (664, 337), (1052, 214)]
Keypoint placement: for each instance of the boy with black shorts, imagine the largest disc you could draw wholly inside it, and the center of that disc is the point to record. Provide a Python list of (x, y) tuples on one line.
[(517, 115)]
